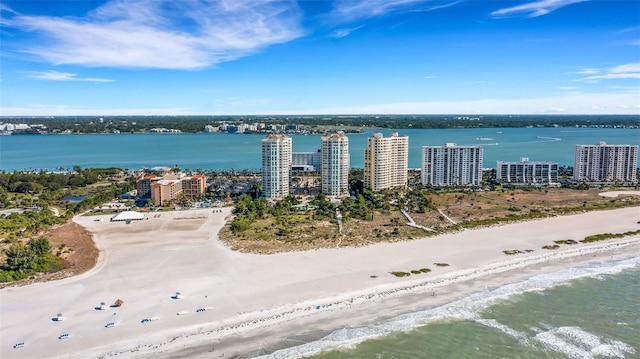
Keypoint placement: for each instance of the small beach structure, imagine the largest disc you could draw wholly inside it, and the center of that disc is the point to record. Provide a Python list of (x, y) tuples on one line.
[(59, 317), (103, 306), (127, 216)]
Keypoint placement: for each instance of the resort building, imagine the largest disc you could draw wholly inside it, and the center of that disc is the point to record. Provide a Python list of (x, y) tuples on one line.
[(605, 163), (194, 186), (276, 166), (335, 164), (306, 161), (451, 165), (164, 191), (386, 162), (143, 184), (526, 172)]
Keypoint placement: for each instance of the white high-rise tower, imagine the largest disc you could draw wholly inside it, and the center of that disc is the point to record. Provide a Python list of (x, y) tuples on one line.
[(276, 166), (335, 164)]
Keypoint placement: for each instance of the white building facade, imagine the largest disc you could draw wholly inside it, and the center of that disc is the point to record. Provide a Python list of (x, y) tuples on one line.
[(451, 165), (605, 163), (386, 162), (335, 164), (310, 159), (526, 172), (276, 166)]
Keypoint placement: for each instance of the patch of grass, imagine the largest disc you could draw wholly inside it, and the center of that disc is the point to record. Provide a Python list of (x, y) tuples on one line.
[(604, 236), (415, 271), (555, 246), (441, 264), (512, 252), (401, 274), (566, 241), (424, 270)]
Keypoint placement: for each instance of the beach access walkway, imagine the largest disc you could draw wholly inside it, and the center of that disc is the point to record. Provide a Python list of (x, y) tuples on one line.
[(413, 223)]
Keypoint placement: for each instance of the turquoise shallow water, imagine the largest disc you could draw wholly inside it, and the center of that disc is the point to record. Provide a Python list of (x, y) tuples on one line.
[(586, 312), (240, 151)]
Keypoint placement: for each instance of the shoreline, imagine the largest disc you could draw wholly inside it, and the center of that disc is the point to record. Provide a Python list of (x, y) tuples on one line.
[(260, 325), (257, 298)]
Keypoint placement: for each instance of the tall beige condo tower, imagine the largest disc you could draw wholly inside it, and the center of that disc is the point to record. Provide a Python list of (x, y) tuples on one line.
[(386, 162), (605, 163), (335, 164), (276, 166)]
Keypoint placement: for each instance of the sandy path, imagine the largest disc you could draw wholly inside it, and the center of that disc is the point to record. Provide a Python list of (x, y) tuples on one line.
[(144, 263)]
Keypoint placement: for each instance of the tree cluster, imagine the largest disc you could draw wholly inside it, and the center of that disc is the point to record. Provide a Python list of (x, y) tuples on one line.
[(24, 260), (38, 182), (193, 124), (27, 223)]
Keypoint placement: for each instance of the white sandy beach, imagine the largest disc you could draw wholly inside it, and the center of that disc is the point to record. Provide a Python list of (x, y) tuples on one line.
[(145, 262)]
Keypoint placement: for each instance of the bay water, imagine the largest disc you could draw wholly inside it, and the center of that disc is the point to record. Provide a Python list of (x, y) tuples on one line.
[(223, 151)]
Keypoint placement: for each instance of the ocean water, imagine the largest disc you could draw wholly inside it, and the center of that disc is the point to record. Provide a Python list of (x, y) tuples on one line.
[(223, 151), (585, 312)]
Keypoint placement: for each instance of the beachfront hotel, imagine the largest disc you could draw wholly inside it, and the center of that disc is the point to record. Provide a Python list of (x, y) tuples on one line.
[(605, 163), (335, 164), (276, 166), (527, 172), (386, 162), (194, 186), (164, 191), (451, 165), (143, 184)]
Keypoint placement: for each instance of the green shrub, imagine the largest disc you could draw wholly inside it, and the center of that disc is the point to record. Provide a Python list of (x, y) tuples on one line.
[(240, 225), (401, 274), (566, 241)]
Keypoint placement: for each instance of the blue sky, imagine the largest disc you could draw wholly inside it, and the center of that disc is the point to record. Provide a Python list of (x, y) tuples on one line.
[(237, 57)]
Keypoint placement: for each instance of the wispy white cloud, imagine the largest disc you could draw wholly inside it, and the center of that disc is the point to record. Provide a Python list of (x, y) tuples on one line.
[(161, 33), (534, 9), (53, 75), (587, 72), (626, 68), (350, 10), (568, 103), (430, 77), (624, 71), (344, 32), (621, 102), (629, 29)]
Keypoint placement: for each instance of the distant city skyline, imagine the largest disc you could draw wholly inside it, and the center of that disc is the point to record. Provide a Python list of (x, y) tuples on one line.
[(201, 57)]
